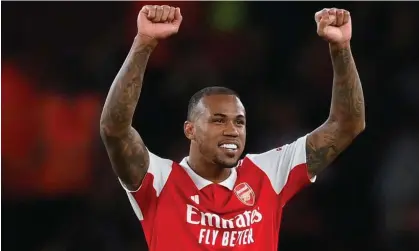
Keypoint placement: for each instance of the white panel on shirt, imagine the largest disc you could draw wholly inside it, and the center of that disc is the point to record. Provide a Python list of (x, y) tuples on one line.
[(160, 169), (278, 163)]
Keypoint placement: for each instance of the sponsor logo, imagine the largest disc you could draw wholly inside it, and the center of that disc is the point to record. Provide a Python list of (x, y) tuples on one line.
[(245, 219), (221, 232)]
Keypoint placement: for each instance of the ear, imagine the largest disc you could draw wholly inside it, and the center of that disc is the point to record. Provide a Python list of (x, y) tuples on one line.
[(189, 130)]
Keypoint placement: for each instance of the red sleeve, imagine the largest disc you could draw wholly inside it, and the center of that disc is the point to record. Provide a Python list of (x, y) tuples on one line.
[(144, 200)]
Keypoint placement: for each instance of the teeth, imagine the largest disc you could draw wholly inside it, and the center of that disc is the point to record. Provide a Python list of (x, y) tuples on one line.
[(229, 146)]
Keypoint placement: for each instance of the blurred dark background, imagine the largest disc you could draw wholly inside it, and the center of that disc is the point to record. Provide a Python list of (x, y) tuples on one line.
[(59, 59)]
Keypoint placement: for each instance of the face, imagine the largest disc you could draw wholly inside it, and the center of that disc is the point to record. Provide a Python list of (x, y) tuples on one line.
[(218, 130)]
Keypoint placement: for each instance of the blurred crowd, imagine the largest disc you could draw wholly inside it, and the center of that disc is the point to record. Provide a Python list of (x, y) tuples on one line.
[(59, 60)]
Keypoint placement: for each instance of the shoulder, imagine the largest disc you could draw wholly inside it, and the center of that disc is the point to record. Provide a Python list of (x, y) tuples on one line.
[(290, 153), (158, 172), (158, 163)]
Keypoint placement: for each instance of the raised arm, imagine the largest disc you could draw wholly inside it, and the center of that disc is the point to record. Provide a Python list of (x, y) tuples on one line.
[(126, 149), (347, 113)]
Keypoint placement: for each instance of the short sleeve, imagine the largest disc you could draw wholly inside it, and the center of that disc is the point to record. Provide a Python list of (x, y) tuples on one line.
[(286, 167), (144, 200)]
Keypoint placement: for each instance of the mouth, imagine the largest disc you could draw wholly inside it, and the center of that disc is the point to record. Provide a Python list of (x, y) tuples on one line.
[(230, 147)]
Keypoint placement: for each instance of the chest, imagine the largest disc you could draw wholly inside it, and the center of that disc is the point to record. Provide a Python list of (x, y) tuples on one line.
[(215, 215), (251, 190)]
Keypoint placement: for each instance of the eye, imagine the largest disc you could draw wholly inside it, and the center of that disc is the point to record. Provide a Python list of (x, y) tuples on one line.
[(240, 122), (218, 120)]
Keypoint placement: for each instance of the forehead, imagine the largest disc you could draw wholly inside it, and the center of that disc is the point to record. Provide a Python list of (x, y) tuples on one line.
[(229, 105)]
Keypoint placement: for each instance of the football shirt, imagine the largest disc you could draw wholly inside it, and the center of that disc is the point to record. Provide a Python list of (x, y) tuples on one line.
[(179, 210)]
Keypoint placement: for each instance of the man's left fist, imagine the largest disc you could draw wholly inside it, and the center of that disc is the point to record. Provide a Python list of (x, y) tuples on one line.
[(334, 25)]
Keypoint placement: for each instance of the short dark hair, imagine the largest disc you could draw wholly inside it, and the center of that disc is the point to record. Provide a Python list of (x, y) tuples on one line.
[(207, 91)]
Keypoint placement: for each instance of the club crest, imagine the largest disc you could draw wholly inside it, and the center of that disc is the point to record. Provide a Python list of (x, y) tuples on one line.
[(245, 194)]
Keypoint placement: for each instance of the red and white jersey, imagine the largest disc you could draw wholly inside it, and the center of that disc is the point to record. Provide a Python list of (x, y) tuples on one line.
[(180, 210)]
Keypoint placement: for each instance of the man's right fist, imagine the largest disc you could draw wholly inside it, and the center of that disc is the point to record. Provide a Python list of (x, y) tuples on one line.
[(159, 21)]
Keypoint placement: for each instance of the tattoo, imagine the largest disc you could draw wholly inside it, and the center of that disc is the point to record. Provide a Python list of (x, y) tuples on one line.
[(347, 114), (125, 147), (129, 157), (347, 97)]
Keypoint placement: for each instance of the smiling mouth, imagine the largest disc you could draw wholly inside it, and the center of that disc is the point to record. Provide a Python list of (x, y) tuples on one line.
[(231, 147)]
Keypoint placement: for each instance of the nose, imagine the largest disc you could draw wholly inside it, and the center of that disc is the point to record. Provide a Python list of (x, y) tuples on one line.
[(231, 130)]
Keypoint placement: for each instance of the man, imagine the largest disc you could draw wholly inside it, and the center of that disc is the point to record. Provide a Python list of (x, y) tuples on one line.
[(212, 200)]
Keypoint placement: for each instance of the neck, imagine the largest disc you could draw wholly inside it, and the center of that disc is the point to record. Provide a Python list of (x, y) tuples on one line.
[(206, 168)]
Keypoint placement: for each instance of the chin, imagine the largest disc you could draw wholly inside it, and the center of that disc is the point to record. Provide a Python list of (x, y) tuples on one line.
[(228, 163)]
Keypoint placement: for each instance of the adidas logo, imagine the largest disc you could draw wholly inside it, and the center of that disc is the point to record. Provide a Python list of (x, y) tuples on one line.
[(195, 199)]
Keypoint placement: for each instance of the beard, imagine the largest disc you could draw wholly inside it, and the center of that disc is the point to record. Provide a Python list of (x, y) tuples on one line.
[(220, 159), (225, 163)]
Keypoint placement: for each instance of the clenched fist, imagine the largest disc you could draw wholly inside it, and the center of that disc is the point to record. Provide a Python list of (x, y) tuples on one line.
[(334, 25), (159, 22)]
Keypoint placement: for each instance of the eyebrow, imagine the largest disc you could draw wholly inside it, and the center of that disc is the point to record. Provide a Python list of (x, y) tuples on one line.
[(224, 116)]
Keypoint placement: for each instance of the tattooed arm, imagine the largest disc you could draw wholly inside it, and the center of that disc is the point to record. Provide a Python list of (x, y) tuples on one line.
[(347, 113), (126, 149)]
